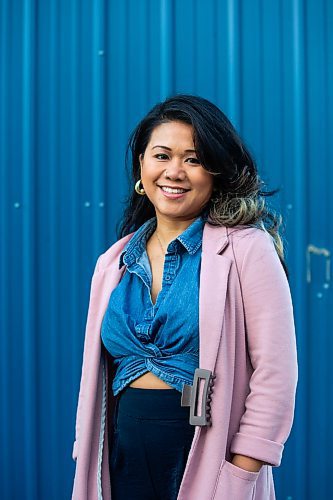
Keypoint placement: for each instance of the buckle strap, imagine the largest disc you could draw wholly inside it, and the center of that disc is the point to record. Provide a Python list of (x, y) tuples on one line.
[(190, 396)]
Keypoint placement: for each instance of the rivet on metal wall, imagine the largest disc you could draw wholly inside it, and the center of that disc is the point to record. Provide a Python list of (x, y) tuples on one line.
[(101, 52), (101, 204), (87, 204), (289, 206), (17, 205)]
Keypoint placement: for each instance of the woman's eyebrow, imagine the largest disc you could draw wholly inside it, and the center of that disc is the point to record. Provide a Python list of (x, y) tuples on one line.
[(169, 149)]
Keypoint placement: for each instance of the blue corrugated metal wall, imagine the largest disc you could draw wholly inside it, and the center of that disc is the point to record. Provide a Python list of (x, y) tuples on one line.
[(75, 78)]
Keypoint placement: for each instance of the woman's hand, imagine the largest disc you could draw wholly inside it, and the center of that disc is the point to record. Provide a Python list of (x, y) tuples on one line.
[(247, 463)]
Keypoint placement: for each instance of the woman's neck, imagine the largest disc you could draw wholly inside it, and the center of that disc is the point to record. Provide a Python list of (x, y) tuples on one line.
[(169, 229)]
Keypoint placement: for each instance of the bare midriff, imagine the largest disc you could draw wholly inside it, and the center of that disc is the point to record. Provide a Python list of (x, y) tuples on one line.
[(149, 381)]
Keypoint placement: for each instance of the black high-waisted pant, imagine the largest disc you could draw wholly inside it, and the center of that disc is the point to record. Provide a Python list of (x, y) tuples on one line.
[(150, 444)]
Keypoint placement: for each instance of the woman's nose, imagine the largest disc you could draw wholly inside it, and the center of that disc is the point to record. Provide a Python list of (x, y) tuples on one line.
[(175, 169)]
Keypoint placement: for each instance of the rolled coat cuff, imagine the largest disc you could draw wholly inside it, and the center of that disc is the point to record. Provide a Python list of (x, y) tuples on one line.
[(258, 448), (74, 452)]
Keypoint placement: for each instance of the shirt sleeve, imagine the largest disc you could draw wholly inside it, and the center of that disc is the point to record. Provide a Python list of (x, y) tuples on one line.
[(269, 322)]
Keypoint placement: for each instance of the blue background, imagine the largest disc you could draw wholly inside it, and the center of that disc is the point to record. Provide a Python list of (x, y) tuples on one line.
[(75, 78)]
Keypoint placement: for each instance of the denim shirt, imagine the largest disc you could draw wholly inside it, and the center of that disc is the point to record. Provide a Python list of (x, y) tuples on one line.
[(163, 337)]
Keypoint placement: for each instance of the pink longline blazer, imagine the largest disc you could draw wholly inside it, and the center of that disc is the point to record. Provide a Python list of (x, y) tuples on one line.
[(247, 339)]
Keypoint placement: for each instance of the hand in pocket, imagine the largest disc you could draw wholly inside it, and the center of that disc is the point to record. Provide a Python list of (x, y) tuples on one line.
[(235, 483)]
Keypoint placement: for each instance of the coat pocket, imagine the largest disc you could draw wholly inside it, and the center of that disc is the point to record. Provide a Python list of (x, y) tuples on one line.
[(235, 482)]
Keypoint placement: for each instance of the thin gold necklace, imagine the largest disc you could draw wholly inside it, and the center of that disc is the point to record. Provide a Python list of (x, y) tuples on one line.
[(163, 251)]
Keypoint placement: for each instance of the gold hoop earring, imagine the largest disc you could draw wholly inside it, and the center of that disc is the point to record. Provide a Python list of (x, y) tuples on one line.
[(138, 189)]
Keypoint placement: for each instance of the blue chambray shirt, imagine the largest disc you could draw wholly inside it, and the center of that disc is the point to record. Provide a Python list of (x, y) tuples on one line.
[(163, 337)]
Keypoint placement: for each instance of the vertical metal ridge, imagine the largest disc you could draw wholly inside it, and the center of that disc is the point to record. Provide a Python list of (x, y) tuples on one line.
[(75, 205), (261, 80), (233, 36), (51, 220), (6, 206), (215, 36), (29, 393), (167, 51), (271, 129), (300, 212), (328, 42), (98, 115)]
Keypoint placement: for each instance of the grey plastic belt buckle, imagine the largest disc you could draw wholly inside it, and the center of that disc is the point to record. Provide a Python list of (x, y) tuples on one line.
[(190, 396)]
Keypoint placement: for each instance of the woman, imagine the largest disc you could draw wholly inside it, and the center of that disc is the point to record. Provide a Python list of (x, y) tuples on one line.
[(190, 368)]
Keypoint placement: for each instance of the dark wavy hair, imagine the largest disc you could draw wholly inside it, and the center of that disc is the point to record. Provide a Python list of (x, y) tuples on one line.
[(238, 197)]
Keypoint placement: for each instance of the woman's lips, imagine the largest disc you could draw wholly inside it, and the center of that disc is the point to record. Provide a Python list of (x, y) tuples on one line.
[(173, 196)]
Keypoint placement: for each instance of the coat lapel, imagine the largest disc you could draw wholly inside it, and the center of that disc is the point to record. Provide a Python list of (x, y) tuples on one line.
[(214, 273)]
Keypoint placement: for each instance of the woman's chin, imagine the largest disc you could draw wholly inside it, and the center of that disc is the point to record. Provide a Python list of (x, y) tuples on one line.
[(173, 212)]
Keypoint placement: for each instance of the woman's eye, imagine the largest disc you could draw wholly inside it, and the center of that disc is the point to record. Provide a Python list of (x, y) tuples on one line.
[(164, 156), (160, 154)]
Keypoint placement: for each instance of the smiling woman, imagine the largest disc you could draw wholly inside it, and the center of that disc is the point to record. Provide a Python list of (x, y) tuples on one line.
[(186, 133), (163, 175), (195, 288)]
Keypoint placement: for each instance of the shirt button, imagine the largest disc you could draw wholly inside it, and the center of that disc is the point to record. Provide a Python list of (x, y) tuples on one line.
[(167, 278)]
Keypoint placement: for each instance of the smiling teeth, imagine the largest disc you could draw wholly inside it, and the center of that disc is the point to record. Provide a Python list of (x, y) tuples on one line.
[(170, 190)]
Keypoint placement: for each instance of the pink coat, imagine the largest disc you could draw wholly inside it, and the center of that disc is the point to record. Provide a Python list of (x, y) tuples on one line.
[(247, 338)]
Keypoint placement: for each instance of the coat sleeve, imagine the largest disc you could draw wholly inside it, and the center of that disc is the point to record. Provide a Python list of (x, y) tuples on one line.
[(81, 390), (268, 417)]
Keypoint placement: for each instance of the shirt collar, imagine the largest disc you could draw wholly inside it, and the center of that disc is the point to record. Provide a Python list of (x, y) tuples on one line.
[(190, 238), (136, 244)]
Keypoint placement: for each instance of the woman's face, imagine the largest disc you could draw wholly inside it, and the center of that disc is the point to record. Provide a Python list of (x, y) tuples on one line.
[(170, 161)]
